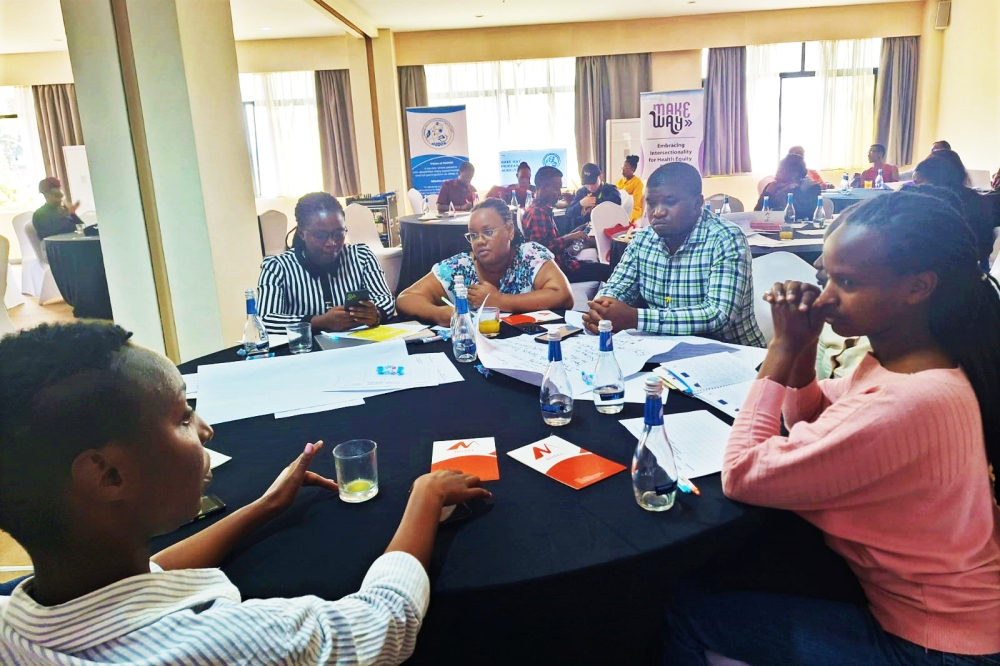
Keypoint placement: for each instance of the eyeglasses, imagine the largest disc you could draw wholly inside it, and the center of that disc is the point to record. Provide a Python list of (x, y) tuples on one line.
[(322, 238), (472, 237)]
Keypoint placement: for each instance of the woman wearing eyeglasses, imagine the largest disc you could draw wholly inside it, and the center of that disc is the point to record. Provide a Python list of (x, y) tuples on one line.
[(516, 276), (310, 281)]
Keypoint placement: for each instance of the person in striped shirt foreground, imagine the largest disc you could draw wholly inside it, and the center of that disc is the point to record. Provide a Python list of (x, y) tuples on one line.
[(99, 452), (310, 281), (691, 267), (891, 463)]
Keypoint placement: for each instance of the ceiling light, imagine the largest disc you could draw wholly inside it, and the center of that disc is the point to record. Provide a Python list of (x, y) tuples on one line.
[(265, 29)]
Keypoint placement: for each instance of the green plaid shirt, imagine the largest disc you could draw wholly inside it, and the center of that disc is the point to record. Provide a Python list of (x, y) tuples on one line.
[(705, 288)]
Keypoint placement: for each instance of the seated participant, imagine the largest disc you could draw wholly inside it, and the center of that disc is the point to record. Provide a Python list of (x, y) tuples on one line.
[(691, 267), (810, 173), (539, 226), (632, 184), (940, 145), (458, 192), (54, 217), (876, 155), (516, 275), (891, 463), (594, 191), (100, 452), (520, 189), (791, 179), (310, 281)]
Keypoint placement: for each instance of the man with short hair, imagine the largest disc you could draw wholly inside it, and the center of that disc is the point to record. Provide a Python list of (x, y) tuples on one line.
[(458, 192), (54, 217), (632, 184), (876, 155), (811, 174), (691, 267), (594, 192)]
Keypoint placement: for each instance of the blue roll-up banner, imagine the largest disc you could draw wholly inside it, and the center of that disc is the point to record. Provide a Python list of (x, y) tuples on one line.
[(536, 159), (439, 143)]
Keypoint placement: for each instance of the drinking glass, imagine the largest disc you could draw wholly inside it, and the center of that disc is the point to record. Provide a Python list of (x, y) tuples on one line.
[(79, 229), (489, 322), (868, 184), (357, 470), (300, 338)]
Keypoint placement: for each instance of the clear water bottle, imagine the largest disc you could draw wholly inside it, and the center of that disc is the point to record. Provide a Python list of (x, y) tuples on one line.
[(577, 247), (459, 284), (475, 199), (845, 183), (513, 199), (463, 336), (556, 398), (425, 205), (609, 384), (451, 208), (726, 209), (654, 472), (528, 199), (255, 339), (819, 215), (789, 210), (708, 207), (879, 183)]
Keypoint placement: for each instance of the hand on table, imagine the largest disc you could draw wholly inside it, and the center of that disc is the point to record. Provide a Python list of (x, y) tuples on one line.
[(364, 313), (621, 315), (293, 478), (334, 319), (797, 324), (450, 486), (478, 294)]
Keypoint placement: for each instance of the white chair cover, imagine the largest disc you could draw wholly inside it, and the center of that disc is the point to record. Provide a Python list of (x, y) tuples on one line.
[(606, 216), (416, 200), (32, 272), (49, 291), (273, 229), (771, 268), (361, 229), (6, 325)]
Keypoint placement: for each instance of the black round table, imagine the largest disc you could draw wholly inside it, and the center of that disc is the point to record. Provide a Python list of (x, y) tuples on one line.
[(547, 574), (426, 242), (77, 265)]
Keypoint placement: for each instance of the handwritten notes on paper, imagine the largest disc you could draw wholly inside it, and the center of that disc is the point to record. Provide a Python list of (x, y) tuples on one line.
[(697, 438)]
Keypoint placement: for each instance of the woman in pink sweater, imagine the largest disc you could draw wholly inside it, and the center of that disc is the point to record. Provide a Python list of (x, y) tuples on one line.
[(891, 462)]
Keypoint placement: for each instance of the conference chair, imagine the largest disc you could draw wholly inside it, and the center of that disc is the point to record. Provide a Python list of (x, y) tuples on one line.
[(32, 273), (716, 201), (416, 201), (764, 182), (6, 325), (273, 227), (628, 202), (89, 218), (606, 215), (432, 202), (49, 290), (771, 268), (361, 229)]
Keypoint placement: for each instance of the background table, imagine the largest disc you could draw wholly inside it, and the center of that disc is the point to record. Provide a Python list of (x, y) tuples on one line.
[(427, 242), (807, 247), (841, 200), (78, 268), (548, 575)]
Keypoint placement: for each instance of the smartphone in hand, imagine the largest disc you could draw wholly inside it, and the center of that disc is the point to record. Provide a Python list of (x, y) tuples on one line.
[(355, 297)]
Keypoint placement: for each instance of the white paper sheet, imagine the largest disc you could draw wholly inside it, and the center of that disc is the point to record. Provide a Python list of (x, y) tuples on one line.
[(698, 439), (635, 390), (368, 379), (215, 458), (191, 384), (721, 380), (320, 408), (441, 367), (764, 241)]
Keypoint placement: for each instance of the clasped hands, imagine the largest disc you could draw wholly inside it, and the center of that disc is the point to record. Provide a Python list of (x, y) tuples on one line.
[(797, 320), (621, 315)]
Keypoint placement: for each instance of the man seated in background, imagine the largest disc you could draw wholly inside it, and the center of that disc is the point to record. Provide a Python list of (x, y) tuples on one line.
[(632, 184), (691, 267), (458, 192), (100, 452), (311, 281), (876, 155), (54, 217), (539, 226), (791, 179), (520, 189), (810, 173), (594, 192)]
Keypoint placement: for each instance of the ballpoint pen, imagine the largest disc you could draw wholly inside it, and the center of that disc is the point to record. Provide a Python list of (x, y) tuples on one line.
[(678, 380), (687, 487)]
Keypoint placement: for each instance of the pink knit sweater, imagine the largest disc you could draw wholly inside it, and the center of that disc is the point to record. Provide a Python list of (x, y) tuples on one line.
[(893, 469)]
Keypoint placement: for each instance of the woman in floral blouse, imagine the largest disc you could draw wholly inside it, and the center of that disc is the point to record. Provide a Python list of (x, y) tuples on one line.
[(515, 275)]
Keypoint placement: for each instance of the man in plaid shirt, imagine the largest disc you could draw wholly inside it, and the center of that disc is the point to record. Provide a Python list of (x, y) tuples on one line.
[(539, 225), (691, 268)]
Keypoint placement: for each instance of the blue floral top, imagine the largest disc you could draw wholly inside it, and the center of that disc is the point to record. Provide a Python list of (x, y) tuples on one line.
[(519, 278)]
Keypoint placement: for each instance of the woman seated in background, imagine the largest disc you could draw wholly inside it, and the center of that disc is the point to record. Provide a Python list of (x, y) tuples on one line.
[(891, 462), (516, 276), (791, 179), (520, 189)]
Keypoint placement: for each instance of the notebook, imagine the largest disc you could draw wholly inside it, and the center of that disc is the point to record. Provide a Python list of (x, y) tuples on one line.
[(721, 380)]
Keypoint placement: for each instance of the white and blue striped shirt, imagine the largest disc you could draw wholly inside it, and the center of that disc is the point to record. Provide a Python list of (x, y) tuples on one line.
[(289, 294), (196, 616)]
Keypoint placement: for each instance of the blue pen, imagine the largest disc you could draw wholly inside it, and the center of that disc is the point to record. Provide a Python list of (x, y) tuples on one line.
[(254, 358), (687, 389)]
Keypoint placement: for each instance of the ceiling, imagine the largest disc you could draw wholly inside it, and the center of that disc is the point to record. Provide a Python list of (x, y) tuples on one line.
[(36, 25)]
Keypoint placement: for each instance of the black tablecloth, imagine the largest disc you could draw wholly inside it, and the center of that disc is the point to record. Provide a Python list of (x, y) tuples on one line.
[(426, 243), (78, 268), (548, 575)]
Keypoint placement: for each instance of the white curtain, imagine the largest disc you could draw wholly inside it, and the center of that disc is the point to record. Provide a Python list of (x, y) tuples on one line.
[(284, 131), (31, 142), (764, 63), (848, 88), (511, 105)]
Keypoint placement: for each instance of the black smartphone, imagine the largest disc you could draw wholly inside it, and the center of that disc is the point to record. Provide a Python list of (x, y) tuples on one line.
[(530, 329), (355, 297), (210, 505), (564, 332)]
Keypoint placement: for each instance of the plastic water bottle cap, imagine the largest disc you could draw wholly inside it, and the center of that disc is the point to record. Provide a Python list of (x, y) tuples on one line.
[(604, 326)]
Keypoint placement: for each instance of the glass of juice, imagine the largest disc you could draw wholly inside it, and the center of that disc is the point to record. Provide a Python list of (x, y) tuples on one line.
[(357, 470), (868, 184), (489, 322)]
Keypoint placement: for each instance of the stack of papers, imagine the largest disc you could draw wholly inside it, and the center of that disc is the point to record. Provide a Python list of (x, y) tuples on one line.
[(698, 440), (721, 380)]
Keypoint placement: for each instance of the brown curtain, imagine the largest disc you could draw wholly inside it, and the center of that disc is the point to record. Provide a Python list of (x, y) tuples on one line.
[(897, 97), (412, 93), (338, 147), (58, 125), (727, 140), (607, 87)]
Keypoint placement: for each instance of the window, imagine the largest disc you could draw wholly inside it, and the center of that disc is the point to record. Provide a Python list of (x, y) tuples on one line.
[(511, 105), (282, 126), (20, 150), (818, 95)]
